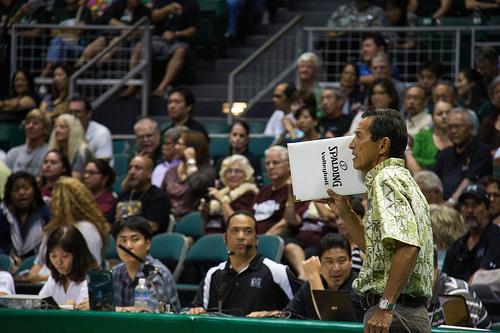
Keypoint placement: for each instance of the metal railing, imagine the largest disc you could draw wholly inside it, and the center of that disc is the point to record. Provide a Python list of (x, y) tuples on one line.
[(98, 82), (271, 63)]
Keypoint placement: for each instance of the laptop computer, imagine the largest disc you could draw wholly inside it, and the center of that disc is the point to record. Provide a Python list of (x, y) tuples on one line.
[(334, 305), (100, 285), (20, 301), (455, 310)]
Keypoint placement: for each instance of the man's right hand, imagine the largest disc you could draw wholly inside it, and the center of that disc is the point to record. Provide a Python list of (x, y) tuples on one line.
[(311, 267), (336, 200), (195, 311)]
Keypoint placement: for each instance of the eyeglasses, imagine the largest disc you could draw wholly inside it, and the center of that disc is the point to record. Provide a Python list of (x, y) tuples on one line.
[(91, 173), (455, 127), (236, 171)]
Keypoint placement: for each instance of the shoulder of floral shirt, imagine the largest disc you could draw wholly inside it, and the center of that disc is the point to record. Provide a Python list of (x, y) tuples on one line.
[(230, 196)]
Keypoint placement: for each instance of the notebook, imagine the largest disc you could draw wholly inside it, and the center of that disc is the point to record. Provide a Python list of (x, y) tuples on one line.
[(334, 305), (101, 296), (455, 310), (20, 301)]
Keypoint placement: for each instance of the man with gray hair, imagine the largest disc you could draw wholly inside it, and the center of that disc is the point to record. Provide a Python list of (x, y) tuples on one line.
[(466, 161), (309, 67), (431, 186), (381, 67), (147, 138), (168, 154), (334, 123)]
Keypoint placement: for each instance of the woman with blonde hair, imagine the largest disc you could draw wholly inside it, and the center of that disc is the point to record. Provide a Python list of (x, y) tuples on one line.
[(73, 204), (236, 174), (68, 136)]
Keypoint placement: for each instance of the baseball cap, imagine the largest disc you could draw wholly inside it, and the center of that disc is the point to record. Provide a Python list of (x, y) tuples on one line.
[(476, 190)]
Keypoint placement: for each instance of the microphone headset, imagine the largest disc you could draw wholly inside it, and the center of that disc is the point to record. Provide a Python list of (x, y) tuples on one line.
[(248, 246)]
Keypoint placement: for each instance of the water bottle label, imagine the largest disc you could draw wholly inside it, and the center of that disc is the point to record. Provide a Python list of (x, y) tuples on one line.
[(141, 295)]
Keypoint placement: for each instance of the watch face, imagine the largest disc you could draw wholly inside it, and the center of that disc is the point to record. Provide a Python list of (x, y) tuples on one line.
[(384, 303)]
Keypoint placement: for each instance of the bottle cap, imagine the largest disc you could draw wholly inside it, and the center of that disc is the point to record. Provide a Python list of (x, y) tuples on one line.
[(142, 281)]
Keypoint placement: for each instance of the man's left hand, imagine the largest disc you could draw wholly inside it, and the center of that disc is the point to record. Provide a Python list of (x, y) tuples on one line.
[(380, 322)]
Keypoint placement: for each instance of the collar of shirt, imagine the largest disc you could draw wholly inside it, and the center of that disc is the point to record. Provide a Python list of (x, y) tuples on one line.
[(370, 176)]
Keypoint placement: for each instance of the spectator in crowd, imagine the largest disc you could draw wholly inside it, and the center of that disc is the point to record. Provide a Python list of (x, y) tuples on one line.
[(444, 284), (22, 98), (357, 14), (65, 43), (99, 178), (335, 123), (29, 156), (381, 67), (187, 182), (429, 74), (428, 8), (309, 67), (134, 233), (349, 76), (447, 227), (23, 215), (55, 165), (141, 197), (473, 93), (234, 8), (431, 186), (396, 15), (180, 108), (98, 136), (168, 153), (486, 60), (492, 185), (372, 44), (147, 140), (68, 136), (71, 204), (239, 138), (479, 248), (175, 25), (56, 102), (7, 286), (29, 13), (242, 295), (4, 174), (282, 100), (329, 270), (308, 123), (489, 131), (68, 258), (427, 143), (466, 161), (274, 207), (236, 175), (120, 13), (417, 119)]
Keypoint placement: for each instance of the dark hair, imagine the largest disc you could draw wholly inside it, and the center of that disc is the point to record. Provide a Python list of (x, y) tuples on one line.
[(435, 67), (37, 196), (198, 141), (479, 91), (391, 124), (489, 179), (356, 69), (30, 77), (54, 94), (134, 223), (389, 88), (246, 127), (105, 170), (356, 206), (241, 212), (305, 96), (289, 90), (333, 241), (312, 112), (186, 93), (69, 239), (65, 161), (377, 38), (85, 100), (403, 7), (489, 53)]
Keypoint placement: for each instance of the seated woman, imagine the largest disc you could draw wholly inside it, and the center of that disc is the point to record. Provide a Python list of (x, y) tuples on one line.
[(473, 93), (239, 138), (68, 136), (72, 204), (349, 76), (307, 122), (23, 215), (56, 102), (236, 175), (55, 165), (68, 258), (186, 183), (99, 178), (489, 131), (22, 99)]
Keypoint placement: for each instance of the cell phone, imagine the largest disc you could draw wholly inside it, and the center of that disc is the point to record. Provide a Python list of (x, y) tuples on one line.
[(24, 272)]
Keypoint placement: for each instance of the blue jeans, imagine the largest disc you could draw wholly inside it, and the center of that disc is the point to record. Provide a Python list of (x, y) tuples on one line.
[(59, 50), (233, 8)]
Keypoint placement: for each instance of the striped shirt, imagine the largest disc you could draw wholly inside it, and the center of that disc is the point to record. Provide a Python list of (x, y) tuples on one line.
[(357, 262)]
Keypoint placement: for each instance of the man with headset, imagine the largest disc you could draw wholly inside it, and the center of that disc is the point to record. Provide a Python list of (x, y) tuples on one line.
[(247, 282)]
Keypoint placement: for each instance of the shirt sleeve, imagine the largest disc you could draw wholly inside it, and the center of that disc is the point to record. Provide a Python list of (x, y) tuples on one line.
[(104, 148), (7, 283), (297, 304)]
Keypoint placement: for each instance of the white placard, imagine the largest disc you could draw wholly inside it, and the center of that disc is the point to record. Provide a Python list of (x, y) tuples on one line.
[(321, 164)]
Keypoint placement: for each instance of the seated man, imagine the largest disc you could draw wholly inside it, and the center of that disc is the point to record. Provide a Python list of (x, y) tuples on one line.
[(331, 270), (334, 123), (444, 284), (134, 233), (247, 282), (492, 185), (147, 140)]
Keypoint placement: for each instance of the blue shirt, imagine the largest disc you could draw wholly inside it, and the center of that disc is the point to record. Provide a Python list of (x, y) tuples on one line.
[(124, 288)]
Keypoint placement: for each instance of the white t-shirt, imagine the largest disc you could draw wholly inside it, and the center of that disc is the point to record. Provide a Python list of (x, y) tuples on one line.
[(274, 126), (7, 283), (76, 291), (100, 140)]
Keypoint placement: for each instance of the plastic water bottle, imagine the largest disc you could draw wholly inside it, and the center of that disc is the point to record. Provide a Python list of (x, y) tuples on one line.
[(141, 296)]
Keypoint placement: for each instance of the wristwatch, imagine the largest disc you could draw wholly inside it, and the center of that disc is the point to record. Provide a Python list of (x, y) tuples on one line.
[(191, 161), (384, 304)]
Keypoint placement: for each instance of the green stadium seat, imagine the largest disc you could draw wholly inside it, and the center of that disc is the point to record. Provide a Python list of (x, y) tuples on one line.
[(257, 127), (11, 135), (219, 147), (120, 146), (121, 164), (217, 128), (259, 145)]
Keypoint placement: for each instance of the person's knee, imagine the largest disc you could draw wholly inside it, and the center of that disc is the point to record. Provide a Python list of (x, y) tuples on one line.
[(180, 52)]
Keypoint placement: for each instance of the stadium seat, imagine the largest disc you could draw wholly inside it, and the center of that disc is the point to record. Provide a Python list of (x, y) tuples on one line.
[(219, 147), (173, 247), (259, 145), (6, 263), (110, 252), (271, 247), (120, 146), (26, 264), (117, 186), (121, 164), (11, 135), (190, 225)]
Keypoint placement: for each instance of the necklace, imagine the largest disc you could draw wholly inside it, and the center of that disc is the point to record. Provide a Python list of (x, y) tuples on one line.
[(132, 195)]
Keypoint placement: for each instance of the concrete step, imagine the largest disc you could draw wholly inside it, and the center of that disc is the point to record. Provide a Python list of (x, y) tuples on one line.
[(256, 40), (310, 18), (240, 52), (227, 65), (317, 5)]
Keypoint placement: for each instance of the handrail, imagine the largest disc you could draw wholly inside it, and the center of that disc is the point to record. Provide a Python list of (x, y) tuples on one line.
[(251, 58)]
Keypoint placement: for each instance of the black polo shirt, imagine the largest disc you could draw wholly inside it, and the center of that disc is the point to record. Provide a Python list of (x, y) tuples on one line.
[(192, 125), (338, 125), (461, 263), (263, 285)]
